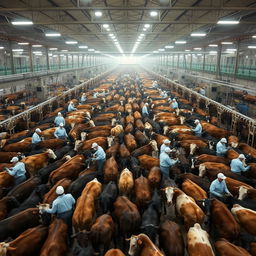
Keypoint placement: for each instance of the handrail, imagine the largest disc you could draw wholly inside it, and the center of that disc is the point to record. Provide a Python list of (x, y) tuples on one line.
[(27, 112)]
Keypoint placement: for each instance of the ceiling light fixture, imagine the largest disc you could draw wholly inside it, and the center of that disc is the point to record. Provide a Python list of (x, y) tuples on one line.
[(1, 47), (36, 45), (213, 45), (231, 50), (105, 26), (161, 50), (22, 23), (169, 47), (83, 46), (198, 34), (252, 46), (155, 51), (153, 13), (228, 22), (53, 34), (91, 50), (98, 13), (23, 43), (37, 52), (226, 43), (17, 50), (64, 50), (187, 50), (71, 42), (53, 49), (198, 49), (180, 42), (253, 36), (147, 25)]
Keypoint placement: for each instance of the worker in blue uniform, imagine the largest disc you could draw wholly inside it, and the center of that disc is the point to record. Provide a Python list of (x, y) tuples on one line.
[(166, 162), (145, 112), (221, 148), (202, 91), (166, 144), (83, 98), (60, 132), (198, 129), (100, 157), (218, 188), (174, 104), (237, 165), (59, 119), (71, 107), (243, 108), (18, 171)]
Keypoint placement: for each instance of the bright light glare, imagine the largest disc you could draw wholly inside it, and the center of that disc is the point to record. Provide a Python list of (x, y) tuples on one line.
[(20, 23), (198, 34), (252, 46), (98, 14), (128, 60), (23, 43), (213, 45), (52, 34), (228, 22), (153, 13)]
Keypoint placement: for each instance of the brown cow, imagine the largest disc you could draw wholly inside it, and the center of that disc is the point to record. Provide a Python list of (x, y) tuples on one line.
[(5, 157), (36, 162), (234, 186), (101, 232), (114, 252), (253, 248), (193, 190), (87, 145), (185, 206), (148, 162), (142, 191), (94, 134), (141, 245), (113, 150), (130, 142), (154, 177), (246, 218), (139, 125), (233, 141), (20, 146), (55, 243), (247, 149), (51, 195), (129, 128), (220, 214), (198, 242), (210, 158), (22, 244), (110, 169), (52, 143), (137, 114), (149, 149), (225, 248), (129, 119), (7, 203), (6, 180), (170, 238), (85, 207), (123, 151), (126, 182), (214, 130)]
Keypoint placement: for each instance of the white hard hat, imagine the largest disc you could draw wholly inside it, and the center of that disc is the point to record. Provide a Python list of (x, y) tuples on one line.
[(221, 176), (94, 145), (61, 124), (241, 156), (59, 190), (166, 141), (224, 140), (14, 159), (59, 114), (38, 130), (197, 121), (167, 150)]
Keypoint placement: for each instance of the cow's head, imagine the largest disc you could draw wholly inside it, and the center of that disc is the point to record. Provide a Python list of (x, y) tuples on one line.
[(88, 114), (211, 144), (43, 207), (135, 242), (83, 136), (92, 124), (169, 193), (182, 119), (166, 129), (110, 140), (177, 110), (148, 126), (193, 148), (51, 154), (153, 144), (243, 191), (78, 144), (113, 121), (3, 248), (193, 160), (202, 170), (234, 144)]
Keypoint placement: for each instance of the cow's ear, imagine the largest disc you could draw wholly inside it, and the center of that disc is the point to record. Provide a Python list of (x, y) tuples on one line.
[(139, 242)]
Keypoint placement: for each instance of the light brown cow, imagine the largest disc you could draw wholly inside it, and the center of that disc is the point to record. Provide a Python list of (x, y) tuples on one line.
[(110, 169), (126, 182), (193, 190), (142, 191)]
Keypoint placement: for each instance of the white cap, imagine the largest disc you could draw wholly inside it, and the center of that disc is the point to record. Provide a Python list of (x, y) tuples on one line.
[(59, 190), (166, 141), (224, 140), (38, 130), (221, 176), (59, 114), (173, 99), (146, 104), (197, 121), (241, 156), (167, 150), (14, 159), (71, 102), (61, 124), (94, 145)]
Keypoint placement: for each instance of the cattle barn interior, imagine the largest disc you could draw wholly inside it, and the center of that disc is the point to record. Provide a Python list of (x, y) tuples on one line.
[(127, 128)]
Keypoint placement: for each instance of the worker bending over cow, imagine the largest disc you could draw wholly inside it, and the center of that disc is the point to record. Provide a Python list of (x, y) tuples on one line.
[(83, 99), (218, 188), (59, 119), (145, 110), (60, 132), (174, 104), (237, 165), (62, 207), (166, 144), (198, 129), (36, 138), (100, 157), (71, 107), (18, 171), (166, 162), (221, 148)]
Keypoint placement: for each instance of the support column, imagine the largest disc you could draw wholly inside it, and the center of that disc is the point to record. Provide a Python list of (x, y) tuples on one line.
[(191, 60), (30, 58), (59, 61), (178, 63), (173, 60), (204, 60), (67, 61), (237, 58), (72, 60), (218, 62), (185, 61), (82, 60), (47, 59), (11, 56)]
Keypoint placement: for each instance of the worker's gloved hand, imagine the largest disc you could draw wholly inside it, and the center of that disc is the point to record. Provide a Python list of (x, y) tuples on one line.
[(6, 169)]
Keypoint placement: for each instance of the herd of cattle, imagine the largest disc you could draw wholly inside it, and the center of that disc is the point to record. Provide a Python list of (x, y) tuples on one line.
[(132, 209)]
